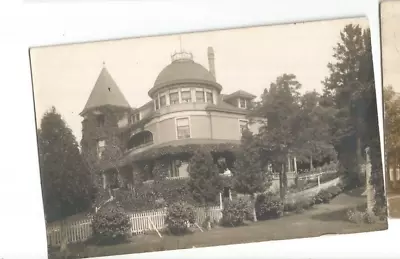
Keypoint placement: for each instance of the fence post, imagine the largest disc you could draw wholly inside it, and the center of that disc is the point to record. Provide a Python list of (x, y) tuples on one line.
[(319, 181), (220, 200)]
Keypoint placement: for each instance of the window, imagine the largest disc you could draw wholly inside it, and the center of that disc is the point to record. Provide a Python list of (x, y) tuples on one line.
[(243, 125), (242, 103), (182, 128), (200, 96), (209, 96), (157, 104), (186, 96), (174, 98), (101, 145), (136, 117), (163, 101), (100, 120)]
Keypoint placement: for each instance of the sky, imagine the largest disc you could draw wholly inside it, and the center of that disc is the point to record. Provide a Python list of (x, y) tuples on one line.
[(249, 59), (390, 34)]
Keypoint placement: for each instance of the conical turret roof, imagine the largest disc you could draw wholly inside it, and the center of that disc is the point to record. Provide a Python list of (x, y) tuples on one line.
[(105, 92)]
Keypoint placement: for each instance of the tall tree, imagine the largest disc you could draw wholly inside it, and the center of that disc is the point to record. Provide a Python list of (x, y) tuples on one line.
[(392, 131), (205, 182), (314, 141), (66, 184), (249, 176), (347, 90), (279, 106), (351, 87)]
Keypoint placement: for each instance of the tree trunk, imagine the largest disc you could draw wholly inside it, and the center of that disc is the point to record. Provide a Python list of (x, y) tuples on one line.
[(283, 182), (359, 158), (253, 202), (311, 163), (64, 239), (394, 172)]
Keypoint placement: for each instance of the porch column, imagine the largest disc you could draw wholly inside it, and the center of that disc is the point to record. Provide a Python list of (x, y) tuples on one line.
[(220, 200), (295, 164), (289, 164), (104, 176)]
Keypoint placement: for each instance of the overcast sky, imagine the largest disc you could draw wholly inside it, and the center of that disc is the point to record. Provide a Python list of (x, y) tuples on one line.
[(390, 22), (248, 59)]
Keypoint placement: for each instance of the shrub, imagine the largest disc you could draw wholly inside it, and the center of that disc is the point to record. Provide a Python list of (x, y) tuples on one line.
[(179, 214), (370, 218), (355, 216), (323, 196), (234, 213), (111, 224), (334, 191), (268, 206), (299, 204), (358, 217)]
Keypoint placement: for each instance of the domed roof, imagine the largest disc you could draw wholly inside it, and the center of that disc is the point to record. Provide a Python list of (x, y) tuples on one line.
[(183, 70)]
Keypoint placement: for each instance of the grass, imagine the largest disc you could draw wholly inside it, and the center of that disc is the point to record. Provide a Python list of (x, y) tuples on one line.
[(321, 220)]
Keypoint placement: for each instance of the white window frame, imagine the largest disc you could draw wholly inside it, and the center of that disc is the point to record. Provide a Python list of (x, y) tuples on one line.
[(176, 126), (166, 99), (99, 154), (245, 103), (186, 89), (243, 120), (204, 94), (173, 91)]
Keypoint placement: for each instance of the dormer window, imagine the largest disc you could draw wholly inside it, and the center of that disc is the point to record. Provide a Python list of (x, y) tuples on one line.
[(135, 117), (242, 103), (100, 119)]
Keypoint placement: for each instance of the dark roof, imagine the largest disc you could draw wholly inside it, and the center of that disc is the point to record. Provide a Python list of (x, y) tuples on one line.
[(239, 93), (105, 92), (183, 71)]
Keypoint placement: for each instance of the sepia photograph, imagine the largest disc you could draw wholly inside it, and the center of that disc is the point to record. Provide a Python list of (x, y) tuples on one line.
[(209, 138), (390, 37)]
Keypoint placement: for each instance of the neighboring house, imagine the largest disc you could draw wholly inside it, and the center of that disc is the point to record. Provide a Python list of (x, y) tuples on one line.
[(187, 109)]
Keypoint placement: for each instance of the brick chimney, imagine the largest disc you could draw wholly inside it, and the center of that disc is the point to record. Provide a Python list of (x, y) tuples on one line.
[(211, 58)]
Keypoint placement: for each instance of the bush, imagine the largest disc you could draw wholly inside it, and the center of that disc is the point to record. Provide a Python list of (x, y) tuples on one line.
[(334, 191), (323, 196), (111, 225), (358, 217), (299, 205), (234, 213), (268, 206), (179, 215)]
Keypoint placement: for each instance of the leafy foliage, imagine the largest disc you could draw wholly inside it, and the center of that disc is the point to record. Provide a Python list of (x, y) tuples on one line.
[(249, 176), (179, 214), (234, 213), (66, 184), (204, 182), (111, 224), (268, 206)]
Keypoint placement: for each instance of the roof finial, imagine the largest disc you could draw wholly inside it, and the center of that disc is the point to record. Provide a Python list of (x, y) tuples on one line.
[(104, 64)]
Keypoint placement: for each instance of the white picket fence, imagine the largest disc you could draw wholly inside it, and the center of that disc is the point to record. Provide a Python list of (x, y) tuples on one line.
[(142, 222)]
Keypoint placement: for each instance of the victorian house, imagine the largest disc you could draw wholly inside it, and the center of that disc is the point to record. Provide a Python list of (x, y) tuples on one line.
[(187, 110)]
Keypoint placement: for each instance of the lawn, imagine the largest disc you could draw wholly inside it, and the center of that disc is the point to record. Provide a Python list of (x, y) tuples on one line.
[(321, 220)]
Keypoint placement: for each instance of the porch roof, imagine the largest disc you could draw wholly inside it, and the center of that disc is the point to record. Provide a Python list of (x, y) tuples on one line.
[(180, 146)]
